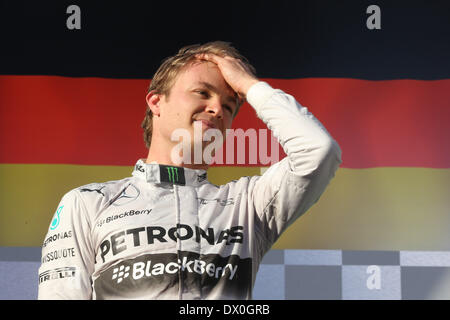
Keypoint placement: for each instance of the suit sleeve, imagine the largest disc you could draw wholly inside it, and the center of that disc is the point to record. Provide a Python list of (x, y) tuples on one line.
[(67, 256), (290, 187)]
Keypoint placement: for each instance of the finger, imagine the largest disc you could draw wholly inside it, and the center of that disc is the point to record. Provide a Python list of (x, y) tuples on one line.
[(208, 57), (241, 98)]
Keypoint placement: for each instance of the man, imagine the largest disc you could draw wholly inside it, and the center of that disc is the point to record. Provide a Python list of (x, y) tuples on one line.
[(167, 232)]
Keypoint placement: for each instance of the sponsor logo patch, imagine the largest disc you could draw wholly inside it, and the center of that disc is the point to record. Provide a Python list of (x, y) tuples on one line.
[(59, 273), (121, 273)]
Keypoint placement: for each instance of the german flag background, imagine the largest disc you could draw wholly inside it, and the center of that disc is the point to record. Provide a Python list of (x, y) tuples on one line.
[(72, 101)]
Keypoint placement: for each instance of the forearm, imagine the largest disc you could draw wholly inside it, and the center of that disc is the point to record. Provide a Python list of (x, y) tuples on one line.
[(303, 138)]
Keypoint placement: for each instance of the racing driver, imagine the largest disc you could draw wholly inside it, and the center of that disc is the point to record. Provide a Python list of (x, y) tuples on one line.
[(166, 232)]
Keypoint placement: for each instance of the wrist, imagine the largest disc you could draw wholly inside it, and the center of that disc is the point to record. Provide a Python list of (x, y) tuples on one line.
[(258, 95), (248, 84)]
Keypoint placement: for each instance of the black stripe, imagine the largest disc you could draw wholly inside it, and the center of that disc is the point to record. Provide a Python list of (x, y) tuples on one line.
[(133, 278), (283, 39)]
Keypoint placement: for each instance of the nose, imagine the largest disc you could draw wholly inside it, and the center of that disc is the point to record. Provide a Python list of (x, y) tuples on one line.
[(215, 107)]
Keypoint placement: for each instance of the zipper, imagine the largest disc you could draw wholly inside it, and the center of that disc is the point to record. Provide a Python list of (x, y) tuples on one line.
[(177, 222)]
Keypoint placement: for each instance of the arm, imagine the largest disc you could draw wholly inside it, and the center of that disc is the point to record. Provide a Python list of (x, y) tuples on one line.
[(67, 256), (290, 187)]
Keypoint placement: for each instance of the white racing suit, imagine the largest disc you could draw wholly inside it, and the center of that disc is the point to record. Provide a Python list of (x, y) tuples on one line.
[(168, 233)]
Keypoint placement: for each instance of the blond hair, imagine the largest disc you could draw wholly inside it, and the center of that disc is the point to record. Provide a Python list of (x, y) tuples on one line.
[(165, 76)]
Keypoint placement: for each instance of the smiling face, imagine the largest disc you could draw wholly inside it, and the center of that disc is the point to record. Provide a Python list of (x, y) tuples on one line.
[(199, 96)]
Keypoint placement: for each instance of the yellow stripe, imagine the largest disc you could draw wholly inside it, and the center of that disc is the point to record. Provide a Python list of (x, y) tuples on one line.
[(30, 193), (377, 209), (362, 209)]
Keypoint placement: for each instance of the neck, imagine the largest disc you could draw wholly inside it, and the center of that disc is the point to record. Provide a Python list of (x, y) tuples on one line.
[(161, 155)]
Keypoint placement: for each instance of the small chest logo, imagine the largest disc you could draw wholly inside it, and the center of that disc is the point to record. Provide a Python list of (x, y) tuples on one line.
[(173, 175), (121, 273), (56, 219), (127, 195)]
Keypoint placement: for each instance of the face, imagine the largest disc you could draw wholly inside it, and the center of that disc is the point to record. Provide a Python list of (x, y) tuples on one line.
[(199, 96)]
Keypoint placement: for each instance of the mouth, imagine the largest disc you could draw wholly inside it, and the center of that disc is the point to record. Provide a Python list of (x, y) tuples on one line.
[(206, 124)]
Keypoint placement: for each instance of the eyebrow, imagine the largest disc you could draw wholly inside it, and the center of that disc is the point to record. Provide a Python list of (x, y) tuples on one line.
[(211, 87)]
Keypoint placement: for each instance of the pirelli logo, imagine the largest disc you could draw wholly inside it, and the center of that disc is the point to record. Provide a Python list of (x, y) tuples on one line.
[(59, 273)]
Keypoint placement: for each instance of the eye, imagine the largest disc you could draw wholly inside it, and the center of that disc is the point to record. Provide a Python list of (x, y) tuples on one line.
[(203, 93), (227, 107)]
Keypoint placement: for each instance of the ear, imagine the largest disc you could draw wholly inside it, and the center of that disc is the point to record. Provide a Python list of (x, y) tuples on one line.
[(153, 100)]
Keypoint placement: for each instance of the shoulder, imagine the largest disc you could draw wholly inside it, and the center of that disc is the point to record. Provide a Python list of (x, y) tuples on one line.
[(98, 195)]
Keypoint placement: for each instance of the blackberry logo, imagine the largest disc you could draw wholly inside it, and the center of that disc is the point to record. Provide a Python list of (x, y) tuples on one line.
[(120, 273), (147, 268)]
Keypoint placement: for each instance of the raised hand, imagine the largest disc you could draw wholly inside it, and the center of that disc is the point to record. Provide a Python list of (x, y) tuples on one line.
[(234, 71)]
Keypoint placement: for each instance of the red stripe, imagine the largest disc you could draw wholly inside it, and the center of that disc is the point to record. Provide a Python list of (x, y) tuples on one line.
[(94, 121)]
